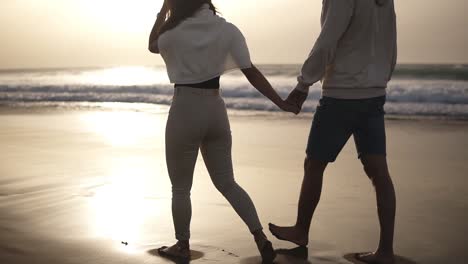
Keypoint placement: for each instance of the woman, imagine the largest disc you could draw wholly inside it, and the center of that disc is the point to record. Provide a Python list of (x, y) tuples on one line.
[(198, 46)]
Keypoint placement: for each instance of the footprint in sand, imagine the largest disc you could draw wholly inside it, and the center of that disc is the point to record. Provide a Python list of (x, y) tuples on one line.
[(398, 259), (203, 253)]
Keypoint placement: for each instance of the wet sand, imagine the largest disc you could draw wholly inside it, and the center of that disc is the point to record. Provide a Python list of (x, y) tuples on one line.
[(75, 184)]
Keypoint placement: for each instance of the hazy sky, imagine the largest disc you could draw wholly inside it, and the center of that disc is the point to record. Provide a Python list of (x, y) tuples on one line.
[(64, 33)]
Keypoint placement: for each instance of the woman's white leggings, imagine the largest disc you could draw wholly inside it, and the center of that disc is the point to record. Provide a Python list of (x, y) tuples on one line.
[(198, 120)]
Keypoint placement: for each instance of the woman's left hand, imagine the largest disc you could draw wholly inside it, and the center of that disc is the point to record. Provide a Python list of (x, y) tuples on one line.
[(288, 107)]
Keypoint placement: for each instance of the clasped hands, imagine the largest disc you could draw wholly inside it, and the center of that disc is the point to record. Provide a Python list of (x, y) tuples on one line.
[(294, 102)]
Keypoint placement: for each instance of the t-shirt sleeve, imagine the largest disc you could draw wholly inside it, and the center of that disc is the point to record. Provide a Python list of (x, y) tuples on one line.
[(239, 55)]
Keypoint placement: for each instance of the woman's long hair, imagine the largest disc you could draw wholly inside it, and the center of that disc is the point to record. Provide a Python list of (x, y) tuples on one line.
[(179, 10)]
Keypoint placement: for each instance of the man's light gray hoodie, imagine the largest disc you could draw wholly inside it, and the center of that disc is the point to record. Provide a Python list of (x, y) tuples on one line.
[(355, 54)]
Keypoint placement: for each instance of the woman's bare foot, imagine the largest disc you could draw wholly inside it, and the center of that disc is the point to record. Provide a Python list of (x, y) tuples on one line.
[(375, 258), (265, 247), (179, 251), (291, 234)]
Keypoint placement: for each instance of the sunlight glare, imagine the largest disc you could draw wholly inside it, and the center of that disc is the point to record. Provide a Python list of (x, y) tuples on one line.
[(120, 208), (122, 15), (125, 76), (122, 129)]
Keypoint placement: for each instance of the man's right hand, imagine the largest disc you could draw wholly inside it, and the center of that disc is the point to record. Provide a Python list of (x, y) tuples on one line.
[(297, 98)]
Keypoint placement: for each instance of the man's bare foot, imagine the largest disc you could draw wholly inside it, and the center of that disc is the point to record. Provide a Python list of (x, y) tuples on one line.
[(375, 258), (291, 234), (179, 251)]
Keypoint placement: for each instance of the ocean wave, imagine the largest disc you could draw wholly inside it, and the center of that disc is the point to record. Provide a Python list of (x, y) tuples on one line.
[(457, 111), (405, 96), (402, 71), (398, 91)]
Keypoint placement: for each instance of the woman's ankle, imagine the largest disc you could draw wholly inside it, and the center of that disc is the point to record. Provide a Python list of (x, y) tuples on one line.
[(259, 235)]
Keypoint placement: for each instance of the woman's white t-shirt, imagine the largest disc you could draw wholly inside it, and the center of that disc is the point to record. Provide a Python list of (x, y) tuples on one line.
[(203, 47)]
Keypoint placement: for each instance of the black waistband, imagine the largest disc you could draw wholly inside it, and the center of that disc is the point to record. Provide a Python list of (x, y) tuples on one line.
[(210, 84)]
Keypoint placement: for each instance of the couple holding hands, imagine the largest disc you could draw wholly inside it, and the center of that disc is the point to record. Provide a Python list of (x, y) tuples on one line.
[(354, 58)]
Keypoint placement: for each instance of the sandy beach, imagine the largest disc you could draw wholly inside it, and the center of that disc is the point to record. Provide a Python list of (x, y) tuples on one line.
[(90, 186)]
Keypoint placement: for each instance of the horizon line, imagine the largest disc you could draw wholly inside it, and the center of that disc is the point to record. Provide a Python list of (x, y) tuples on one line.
[(162, 65)]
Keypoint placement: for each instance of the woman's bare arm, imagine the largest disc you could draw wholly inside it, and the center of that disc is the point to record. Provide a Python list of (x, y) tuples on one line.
[(154, 36), (258, 80)]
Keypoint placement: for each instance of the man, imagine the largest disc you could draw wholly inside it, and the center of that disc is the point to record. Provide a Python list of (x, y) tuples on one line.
[(354, 57)]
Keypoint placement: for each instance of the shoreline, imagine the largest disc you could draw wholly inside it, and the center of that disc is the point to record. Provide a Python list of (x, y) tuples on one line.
[(44, 107)]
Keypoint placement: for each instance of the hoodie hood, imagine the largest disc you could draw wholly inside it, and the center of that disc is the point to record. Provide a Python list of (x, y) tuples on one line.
[(381, 2)]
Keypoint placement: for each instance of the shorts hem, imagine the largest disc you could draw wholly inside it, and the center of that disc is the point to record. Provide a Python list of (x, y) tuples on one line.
[(318, 158), (360, 155)]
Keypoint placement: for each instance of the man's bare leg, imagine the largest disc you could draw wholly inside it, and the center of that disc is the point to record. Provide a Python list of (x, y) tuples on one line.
[(308, 201), (376, 169)]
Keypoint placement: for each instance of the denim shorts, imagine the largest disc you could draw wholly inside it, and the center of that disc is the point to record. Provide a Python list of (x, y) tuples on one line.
[(335, 120)]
